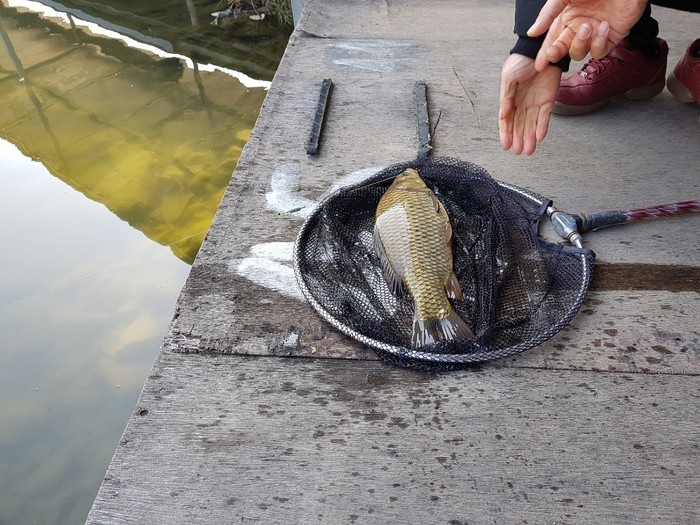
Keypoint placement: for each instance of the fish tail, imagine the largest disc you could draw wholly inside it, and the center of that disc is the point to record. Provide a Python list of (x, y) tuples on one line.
[(428, 331), (454, 327)]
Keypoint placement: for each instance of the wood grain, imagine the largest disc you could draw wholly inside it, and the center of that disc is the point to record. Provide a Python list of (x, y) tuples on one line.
[(224, 439)]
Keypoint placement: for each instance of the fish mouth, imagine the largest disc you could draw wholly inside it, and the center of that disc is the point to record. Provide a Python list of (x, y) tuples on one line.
[(409, 180)]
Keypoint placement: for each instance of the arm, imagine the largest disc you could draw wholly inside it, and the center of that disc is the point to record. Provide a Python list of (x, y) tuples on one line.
[(526, 100), (527, 16), (577, 27), (526, 96)]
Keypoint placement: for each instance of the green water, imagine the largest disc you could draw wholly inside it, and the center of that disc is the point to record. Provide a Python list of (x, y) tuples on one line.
[(85, 300), (113, 161)]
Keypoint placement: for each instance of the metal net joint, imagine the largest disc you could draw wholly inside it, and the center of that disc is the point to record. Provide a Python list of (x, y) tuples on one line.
[(565, 226)]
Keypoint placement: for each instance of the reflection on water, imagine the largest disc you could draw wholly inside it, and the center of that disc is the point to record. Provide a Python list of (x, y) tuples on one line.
[(151, 139), (99, 123), (84, 302)]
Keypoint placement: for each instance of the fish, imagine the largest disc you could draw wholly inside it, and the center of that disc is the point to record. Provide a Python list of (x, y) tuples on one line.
[(413, 240)]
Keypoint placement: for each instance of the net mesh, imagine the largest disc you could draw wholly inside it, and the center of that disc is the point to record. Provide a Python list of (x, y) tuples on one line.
[(518, 289)]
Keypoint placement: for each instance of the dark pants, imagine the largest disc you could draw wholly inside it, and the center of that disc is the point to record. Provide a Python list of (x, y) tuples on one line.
[(643, 34)]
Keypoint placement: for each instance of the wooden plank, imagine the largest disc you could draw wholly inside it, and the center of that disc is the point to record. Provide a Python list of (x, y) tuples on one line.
[(226, 439), (649, 332), (646, 332)]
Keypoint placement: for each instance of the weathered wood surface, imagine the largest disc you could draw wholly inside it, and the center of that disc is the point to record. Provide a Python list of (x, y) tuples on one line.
[(595, 426), (221, 439), (611, 160)]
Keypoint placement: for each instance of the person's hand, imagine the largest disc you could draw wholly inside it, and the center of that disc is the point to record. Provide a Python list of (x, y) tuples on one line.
[(579, 27), (526, 101)]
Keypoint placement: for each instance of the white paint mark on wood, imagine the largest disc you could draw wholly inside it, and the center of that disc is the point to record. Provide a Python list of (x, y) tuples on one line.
[(282, 197), (292, 340), (378, 56), (353, 178), (276, 251), (270, 265)]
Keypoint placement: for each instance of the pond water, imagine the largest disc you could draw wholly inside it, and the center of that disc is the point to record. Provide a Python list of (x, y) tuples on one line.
[(119, 131)]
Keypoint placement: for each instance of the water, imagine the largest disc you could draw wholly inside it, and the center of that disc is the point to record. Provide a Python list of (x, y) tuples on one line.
[(85, 300), (112, 163)]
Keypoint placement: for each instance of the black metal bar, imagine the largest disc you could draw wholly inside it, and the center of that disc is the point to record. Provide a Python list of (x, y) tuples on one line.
[(313, 145), (424, 140)]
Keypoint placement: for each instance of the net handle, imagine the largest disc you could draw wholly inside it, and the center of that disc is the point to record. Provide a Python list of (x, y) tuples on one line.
[(593, 221), (570, 227)]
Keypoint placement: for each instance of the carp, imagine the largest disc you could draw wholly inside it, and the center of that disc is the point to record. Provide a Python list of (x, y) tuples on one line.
[(413, 239)]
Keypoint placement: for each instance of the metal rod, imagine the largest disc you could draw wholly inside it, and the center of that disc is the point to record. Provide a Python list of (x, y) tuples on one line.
[(424, 140), (313, 145)]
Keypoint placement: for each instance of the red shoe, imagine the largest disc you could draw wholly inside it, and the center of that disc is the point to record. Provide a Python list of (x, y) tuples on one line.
[(624, 71), (684, 82)]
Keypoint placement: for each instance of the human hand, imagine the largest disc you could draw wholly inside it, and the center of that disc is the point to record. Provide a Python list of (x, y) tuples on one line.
[(579, 27), (526, 101)]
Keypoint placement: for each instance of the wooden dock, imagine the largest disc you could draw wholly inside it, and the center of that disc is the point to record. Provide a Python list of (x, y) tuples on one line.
[(256, 411)]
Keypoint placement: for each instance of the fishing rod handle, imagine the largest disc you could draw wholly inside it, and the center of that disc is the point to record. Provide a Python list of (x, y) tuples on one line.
[(586, 222), (593, 221), (664, 210)]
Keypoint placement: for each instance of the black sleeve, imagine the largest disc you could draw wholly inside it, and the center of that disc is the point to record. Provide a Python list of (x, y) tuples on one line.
[(526, 12), (692, 6)]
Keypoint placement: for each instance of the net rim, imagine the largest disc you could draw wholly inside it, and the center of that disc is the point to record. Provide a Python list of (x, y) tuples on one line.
[(584, 255)]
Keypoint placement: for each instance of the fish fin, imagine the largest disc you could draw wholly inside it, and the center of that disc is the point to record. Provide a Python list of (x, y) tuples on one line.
[(454, 327), (428, 331), (425, 332), (436, 202), (453, 288), (392, 280)]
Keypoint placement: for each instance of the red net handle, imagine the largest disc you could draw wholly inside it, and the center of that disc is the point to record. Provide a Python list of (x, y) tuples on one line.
[(664, 210), (596, 220)]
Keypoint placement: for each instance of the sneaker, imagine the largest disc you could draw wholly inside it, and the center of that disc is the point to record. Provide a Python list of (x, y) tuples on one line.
[(684, 81), (624, 71)]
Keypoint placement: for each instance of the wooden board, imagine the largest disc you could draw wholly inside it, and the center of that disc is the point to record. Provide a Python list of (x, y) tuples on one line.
[(272, 440)]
